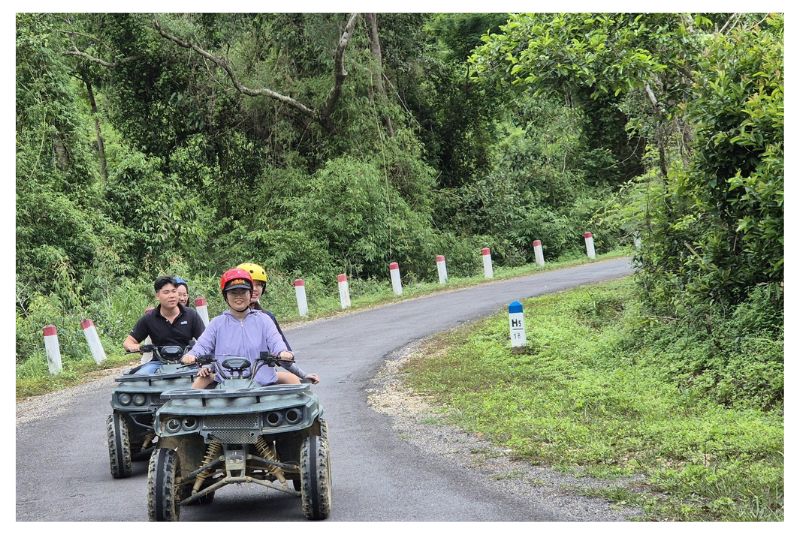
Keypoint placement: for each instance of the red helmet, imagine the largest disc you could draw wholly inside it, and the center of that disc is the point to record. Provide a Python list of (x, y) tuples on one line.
[(235, 278)]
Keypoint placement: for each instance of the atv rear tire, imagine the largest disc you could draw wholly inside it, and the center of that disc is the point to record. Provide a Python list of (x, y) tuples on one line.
[(162, 491), (119, 446), (315, 475)]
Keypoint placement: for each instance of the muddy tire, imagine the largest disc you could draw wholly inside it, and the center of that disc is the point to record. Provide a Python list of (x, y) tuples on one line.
[(162, 491), (323, 430), (315, 475), (119, 446)]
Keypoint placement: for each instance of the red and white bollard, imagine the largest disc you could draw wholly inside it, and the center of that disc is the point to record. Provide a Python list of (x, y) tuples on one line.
[(52, 349), (300, 292), (537, 252), (344, 291), (394, 273), (589, 244), (90, 332), (441, 266), (201, 306), (487, 263)]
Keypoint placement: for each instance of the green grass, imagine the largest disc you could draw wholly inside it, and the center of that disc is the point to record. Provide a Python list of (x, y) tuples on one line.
[(581, 397), (124, 305)]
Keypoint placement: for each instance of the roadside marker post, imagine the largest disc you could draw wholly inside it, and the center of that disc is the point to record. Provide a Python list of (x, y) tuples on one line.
[(344, 291), (637, 241), (300, 292), (201, 306), (537, 251), (516, 325), (487, 263), (53, 350), (394, 273), (589, 244), (90, 332), (441, 266)]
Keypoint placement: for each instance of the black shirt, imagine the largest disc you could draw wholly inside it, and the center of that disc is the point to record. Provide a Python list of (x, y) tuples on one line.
[(186, 326)]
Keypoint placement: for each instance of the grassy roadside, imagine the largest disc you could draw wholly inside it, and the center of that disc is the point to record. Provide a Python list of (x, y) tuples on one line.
[(33, 378), (584, 398)]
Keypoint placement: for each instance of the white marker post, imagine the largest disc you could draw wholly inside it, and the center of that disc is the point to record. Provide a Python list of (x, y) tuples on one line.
[(52, 349), (637, 241), (201, 306), (589, 244), (516, 325), (537, 252), (300, 292), (90, 332), (394, 273), (487, 263), (441, 266), (344, 291)]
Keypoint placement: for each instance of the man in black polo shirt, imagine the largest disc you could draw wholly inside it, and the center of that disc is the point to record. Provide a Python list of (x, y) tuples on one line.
[(169, 324)]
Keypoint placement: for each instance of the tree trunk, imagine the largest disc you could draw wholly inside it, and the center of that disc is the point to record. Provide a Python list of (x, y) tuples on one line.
[(101, 149), (377, 76)]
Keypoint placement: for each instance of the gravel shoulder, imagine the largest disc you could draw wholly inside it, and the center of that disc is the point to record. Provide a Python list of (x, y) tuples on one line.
[(56, 402), (423, 425)]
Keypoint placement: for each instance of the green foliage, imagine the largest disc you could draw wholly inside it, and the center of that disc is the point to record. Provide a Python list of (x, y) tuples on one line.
[(715, 229)]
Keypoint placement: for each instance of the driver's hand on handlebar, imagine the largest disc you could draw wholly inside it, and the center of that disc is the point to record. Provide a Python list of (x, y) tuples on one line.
[(313, 378), (286, 356), (204, 372), (188, 359)]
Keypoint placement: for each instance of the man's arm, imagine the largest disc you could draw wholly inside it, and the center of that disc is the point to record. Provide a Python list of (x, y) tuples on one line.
[(139, 332), (130, 344)]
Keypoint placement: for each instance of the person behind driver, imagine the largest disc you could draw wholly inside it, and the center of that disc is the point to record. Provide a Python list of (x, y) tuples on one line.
[(241, 331), (259, 276), (182, 287)]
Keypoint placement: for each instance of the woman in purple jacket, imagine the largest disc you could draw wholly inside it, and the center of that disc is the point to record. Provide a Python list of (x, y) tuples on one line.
[(243, 332)]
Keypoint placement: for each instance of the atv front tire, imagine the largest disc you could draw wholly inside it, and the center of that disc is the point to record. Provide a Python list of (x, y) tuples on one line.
[(119, 446), (162, 491), (315, 474)]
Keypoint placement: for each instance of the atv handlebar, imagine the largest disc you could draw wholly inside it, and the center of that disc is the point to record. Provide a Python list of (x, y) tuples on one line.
[(166, 354), (238, 364)]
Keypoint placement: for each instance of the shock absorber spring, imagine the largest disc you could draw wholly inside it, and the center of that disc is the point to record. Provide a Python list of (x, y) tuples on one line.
[(268, 452), (213, 450)]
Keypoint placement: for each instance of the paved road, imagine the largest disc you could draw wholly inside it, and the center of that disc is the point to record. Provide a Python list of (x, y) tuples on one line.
[(62, 460)]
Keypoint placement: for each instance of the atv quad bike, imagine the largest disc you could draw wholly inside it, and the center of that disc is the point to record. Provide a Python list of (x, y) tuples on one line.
[(239, 432), (129, 428)]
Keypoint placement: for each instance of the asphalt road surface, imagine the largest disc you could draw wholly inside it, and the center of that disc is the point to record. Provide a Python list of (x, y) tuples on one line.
[(62, 465)]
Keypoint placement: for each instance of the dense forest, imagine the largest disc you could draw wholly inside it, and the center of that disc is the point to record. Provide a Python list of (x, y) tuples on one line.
[(325, 143)]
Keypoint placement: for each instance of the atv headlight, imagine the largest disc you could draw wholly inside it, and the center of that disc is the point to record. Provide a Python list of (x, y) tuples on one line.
[(172, 425), (274, 418), (294, 415), (139, 399), (189, 423), (124, 398)]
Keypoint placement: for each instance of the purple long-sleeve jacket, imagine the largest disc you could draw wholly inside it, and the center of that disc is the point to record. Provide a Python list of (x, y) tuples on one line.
[(227, 336)]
